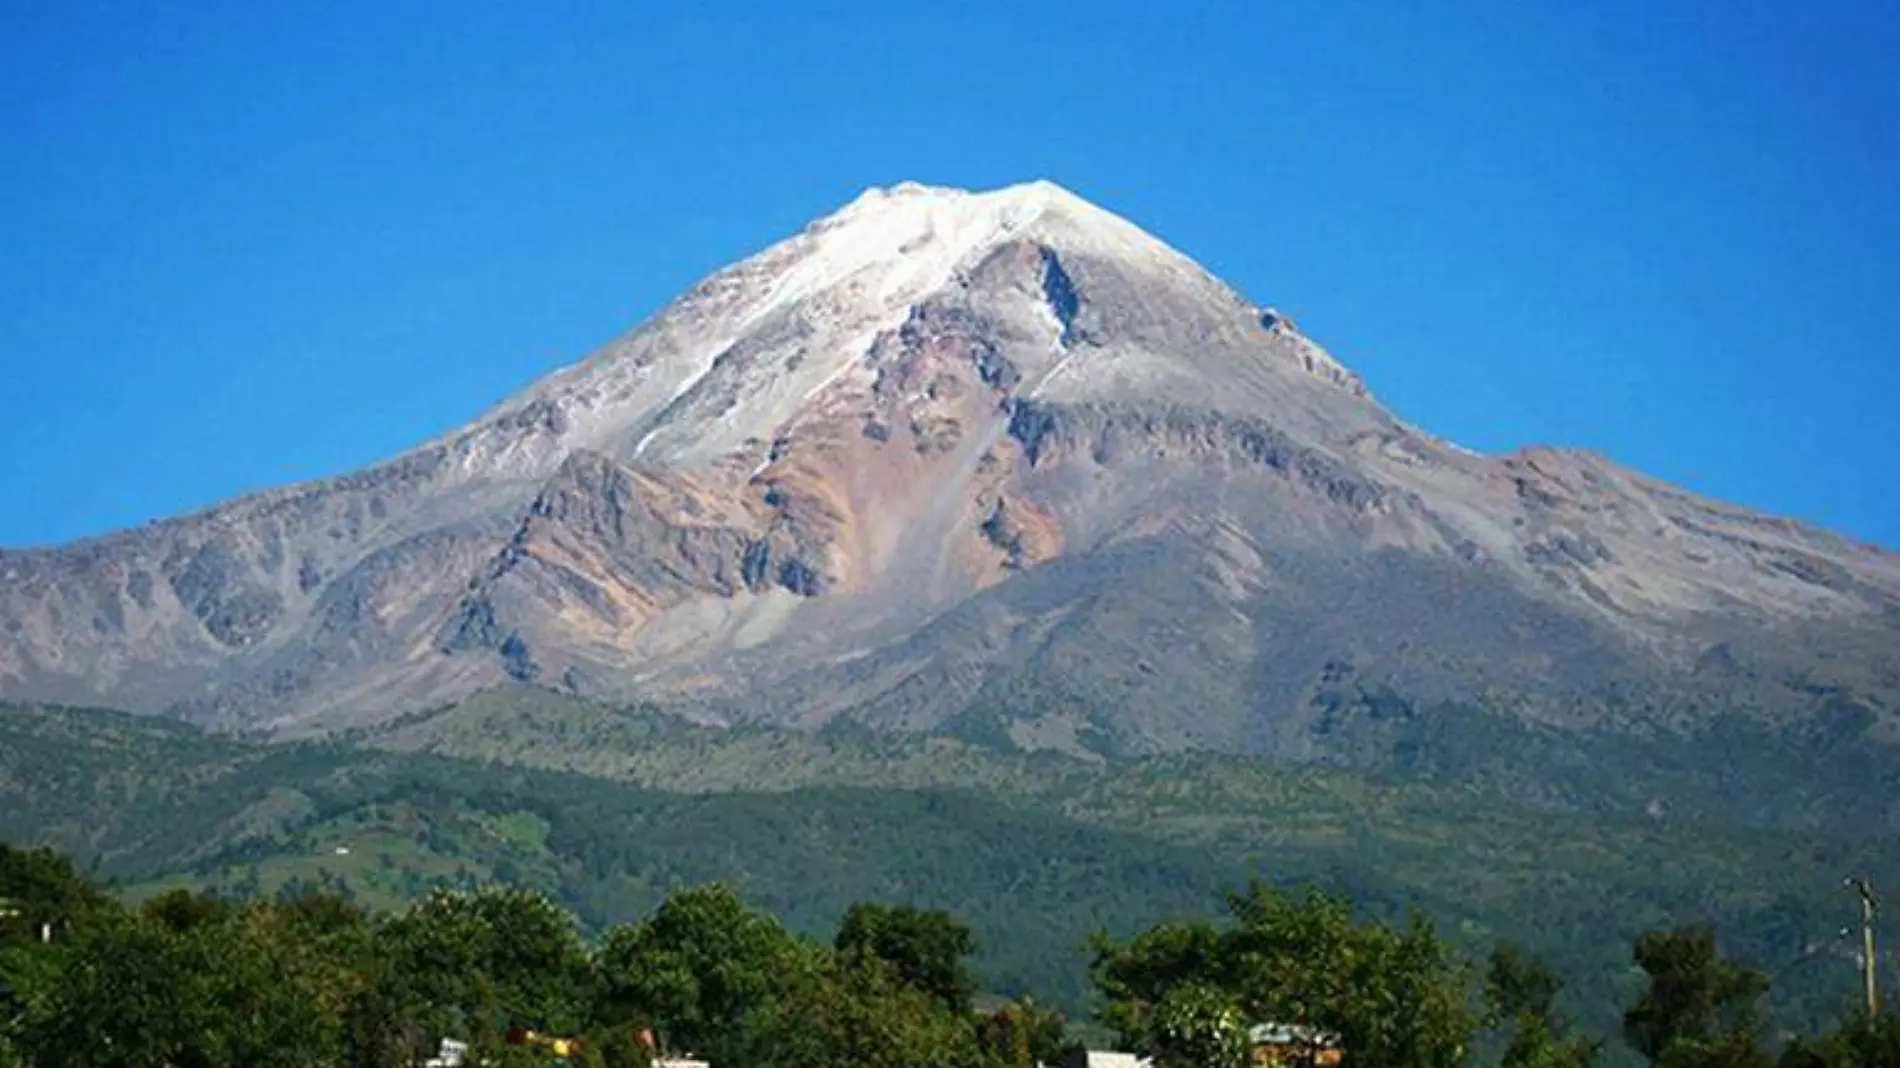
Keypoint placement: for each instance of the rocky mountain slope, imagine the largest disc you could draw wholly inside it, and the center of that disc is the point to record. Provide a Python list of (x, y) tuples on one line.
[(997, 463)]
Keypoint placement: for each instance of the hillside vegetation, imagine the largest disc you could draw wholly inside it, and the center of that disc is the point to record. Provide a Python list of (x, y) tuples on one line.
[(607, 811)]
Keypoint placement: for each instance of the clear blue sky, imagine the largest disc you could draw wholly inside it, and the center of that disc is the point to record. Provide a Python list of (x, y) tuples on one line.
[(242, 244)]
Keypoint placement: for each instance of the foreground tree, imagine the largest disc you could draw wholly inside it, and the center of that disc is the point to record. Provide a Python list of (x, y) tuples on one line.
[(1521, 993), (704, 969), (1396, 998), (134, 993), (384, 1019), (860, 1013), (926, 948), (182, 911), (1133, 979), (29, 976), (1862, 1043), (1023, 1034), (1699, 1009), (41, 890), (494, 958), (1198, 1026)]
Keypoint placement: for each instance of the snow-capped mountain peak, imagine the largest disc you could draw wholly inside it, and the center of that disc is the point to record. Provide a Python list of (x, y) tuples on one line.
[(735, 357), (941, 451)]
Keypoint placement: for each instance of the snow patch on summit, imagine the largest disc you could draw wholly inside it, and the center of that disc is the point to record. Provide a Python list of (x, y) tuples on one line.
[(917, 237), (743, 349), (738, 356)]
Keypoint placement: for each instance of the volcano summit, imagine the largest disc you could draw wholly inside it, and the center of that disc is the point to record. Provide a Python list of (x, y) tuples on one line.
[(1000, 463)]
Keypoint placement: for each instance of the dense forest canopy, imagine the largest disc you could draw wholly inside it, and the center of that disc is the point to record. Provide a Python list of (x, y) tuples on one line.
[(309, 979)]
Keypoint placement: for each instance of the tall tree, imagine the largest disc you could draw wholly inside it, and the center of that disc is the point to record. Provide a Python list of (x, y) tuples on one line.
[(703, 969), (1197, 1025), (863, 1014), (926, 948), (495, 957), (184, 910), (135, 994), (1521, 993), (1133, 979), (41, 890), (1861, 1043), (1520, 984), (1023, 1034), (1396, 998), (1699, 1008), (384, 1020)]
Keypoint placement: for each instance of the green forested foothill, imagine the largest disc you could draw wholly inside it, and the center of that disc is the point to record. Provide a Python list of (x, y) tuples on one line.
[(1034, 853)]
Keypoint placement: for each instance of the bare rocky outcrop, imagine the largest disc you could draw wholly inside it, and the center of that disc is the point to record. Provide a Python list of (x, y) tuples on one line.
[(608, 545), (1051, 433)]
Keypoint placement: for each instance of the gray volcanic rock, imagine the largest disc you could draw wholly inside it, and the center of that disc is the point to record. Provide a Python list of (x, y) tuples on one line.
[(999, 463)]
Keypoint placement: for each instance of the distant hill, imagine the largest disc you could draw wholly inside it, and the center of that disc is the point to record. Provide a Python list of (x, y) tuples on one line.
[(1035, 851)]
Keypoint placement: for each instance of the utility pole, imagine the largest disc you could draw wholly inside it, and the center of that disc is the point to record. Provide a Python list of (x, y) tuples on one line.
[(1869, 906)]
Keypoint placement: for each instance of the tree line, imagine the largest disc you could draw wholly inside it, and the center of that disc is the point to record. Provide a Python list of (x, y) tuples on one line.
[(308, 979)]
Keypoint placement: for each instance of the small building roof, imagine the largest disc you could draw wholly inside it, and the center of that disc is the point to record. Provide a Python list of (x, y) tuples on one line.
[(1103, 1058), (1281, 1034)]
